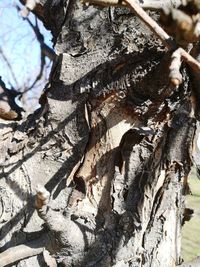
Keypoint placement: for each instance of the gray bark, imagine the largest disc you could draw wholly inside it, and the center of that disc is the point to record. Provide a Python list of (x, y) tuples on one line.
[(111, 143)]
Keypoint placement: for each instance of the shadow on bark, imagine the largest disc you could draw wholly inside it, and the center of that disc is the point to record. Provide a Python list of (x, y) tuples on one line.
[(127, 222)]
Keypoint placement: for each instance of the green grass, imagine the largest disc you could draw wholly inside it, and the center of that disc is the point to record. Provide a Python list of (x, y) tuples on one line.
[(191, 229)]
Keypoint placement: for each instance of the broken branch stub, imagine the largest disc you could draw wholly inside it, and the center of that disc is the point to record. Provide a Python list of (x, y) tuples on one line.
[(42, 198), (29, 6), (174, 68)]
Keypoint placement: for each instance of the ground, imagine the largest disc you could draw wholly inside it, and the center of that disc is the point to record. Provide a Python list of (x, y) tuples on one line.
[(191, 229)]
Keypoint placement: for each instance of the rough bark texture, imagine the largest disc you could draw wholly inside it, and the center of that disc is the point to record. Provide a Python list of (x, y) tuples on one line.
[(111, 144)]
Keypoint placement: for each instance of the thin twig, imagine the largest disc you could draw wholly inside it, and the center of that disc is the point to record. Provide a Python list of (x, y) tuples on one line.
[(167, 40), (162, 35), (152, 24), (194, 64), (39, 76), (9, 66), (145, 4), (46, 50)]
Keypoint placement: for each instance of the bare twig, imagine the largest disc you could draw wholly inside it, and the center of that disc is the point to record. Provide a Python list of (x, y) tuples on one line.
[(17, 253), (46, 50), (145, 4), (39, 76), (153, 25), (41, 202), (9, 66), (162, 35), (49, 260), (157, 5), (194, 64)]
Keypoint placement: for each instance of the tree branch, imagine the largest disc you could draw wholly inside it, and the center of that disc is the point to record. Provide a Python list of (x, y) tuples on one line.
[(9, 67), (20, 252), (159, 32), (46, 50), (146, 4), (42, 64), (152, 24), (162, 35)]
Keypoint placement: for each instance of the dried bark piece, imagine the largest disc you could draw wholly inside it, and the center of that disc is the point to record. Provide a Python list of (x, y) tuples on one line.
[(174, 69)]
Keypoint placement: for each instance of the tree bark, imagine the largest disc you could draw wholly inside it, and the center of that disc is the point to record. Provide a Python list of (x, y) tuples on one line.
[(111, 144)]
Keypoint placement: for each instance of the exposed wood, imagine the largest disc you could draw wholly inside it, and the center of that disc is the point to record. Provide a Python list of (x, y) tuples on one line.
[(103, 148)]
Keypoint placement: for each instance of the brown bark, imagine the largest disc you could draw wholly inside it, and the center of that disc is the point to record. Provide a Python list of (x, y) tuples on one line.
[(111, 144)]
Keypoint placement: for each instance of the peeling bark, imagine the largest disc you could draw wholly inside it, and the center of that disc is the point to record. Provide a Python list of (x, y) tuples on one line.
[(111, 145)]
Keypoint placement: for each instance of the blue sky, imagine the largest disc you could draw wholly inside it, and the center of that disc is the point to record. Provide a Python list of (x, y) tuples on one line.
[(19, 46)]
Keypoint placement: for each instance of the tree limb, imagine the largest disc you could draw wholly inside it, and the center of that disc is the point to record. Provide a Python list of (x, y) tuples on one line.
[(162, 35), (146, 4), (20, 252), (155, 28), (152, 24)]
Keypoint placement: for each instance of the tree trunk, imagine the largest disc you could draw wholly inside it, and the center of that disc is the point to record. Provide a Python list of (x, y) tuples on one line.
[(111, 144)]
